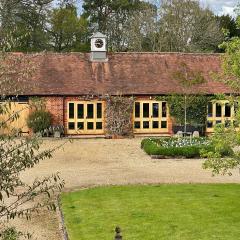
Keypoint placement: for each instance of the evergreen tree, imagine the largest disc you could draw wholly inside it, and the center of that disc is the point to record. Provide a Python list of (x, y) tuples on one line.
[(24, 21)]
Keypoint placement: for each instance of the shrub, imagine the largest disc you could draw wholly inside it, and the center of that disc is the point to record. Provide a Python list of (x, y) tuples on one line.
[(39, 120), (180, 148), (10, 234)]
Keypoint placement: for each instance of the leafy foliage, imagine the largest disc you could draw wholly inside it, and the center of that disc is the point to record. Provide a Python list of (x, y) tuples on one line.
[(195, 106), (229, 25), (187, 27), (68, 32), (224, 140), (39, 120), (17, 198), (231, 63), (15, 158), (188, 108), (227, 137), (177, 25), (24, 23), (115, 19), (10, 234)]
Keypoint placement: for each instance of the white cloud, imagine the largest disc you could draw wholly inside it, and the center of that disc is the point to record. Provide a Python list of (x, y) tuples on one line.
[(221, 7), (227, 10)]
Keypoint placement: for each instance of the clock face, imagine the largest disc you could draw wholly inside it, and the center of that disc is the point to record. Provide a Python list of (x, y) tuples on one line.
[(99, 43)]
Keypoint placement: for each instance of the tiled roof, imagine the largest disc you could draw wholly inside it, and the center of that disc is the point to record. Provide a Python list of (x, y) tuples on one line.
[(124, 73)]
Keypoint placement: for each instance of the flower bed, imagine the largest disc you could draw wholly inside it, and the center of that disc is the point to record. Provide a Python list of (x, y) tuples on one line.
[(178, 148)]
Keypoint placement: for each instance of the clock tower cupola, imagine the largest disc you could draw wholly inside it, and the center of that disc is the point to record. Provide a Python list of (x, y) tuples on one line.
[(98, 47)]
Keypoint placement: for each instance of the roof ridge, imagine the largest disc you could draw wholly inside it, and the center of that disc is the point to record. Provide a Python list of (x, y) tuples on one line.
[(166, 53), (112, 53)]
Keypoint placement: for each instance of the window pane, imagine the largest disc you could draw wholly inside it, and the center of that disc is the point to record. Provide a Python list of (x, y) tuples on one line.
[(137, 125), (218, 122), (71, 110), (145, 124), (90, 111), (99, 110), (210, 109), (90, 126), (80, 125), (164, 124), (209, 124), (227, 110), (155, 124), (99, 125), (146, 110), (155, 110), (218, 110), (71, 126), (164, 109), (137, 109), (80, 111)]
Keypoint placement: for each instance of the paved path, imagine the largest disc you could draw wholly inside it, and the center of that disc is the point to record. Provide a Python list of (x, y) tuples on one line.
[(93, 162)]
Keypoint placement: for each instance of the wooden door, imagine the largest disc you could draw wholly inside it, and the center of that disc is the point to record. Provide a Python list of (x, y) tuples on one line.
[(150, 117), (16, 119), (85, 117)]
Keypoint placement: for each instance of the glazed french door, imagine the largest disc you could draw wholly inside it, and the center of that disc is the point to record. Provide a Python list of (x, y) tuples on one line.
[(150, 117), (85, 117)]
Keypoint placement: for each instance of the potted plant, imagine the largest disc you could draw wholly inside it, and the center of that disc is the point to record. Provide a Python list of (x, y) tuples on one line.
[(58, 131)]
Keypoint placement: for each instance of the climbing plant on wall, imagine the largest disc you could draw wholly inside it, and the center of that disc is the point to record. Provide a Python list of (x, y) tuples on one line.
[(194, 105), (119, 111), (187, 108)]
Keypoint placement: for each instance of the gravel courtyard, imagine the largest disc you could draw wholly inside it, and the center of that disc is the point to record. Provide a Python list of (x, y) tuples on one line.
[(93, 162)]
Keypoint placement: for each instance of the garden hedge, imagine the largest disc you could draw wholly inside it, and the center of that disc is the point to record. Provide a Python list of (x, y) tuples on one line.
[(194, 151)]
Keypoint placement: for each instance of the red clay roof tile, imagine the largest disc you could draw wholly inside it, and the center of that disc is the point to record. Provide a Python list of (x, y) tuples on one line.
[(124, 73)]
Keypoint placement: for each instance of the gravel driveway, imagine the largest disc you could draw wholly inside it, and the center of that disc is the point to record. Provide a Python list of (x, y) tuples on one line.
[(93, 162)]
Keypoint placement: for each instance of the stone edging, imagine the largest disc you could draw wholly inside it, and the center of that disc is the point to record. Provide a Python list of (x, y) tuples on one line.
[(64, 233)]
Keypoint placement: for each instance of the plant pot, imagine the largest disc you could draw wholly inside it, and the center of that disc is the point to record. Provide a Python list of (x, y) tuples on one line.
[(57, 134)]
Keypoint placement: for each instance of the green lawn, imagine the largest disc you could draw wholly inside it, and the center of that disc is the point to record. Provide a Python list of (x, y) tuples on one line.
[(169, 212)]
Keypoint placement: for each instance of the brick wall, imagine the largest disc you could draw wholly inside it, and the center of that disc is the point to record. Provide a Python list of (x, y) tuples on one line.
[(55, 105)]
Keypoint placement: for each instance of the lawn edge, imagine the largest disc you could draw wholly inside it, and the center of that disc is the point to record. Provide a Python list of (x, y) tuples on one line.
[(61, 220), (72, 190)]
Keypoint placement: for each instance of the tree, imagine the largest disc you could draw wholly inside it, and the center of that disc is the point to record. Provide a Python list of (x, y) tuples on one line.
[(207, 33), (230, 136), (185, 26), (68, 31), (187, 108), (24, 21), (114, 19), (18, 199), (140, 31), (229, 23)]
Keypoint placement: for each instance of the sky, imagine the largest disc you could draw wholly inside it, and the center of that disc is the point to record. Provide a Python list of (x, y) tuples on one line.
[(220, 7)]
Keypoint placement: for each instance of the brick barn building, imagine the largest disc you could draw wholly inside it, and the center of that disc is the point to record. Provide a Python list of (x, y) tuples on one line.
[(73, 85)]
